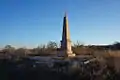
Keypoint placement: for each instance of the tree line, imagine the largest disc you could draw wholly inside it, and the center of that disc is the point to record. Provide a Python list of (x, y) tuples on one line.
[(51, 49)]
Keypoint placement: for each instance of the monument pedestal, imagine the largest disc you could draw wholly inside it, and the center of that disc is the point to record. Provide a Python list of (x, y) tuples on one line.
[(65, 54), (71, 55)]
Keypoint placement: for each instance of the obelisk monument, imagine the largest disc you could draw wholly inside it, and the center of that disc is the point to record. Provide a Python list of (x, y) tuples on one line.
[(66, 48)]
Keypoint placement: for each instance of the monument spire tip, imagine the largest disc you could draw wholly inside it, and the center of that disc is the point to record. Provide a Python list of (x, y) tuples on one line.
[(65, 14)]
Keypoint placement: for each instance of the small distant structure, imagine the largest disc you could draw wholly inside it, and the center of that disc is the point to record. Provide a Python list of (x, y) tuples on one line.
[(65, 49)]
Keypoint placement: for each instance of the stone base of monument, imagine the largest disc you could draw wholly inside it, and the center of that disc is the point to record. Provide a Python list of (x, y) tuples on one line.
[(63, 54), (71, 55)]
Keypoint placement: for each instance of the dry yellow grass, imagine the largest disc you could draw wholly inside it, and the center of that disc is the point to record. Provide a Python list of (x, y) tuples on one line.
[(111, 58), (107, 53), (114, 53)]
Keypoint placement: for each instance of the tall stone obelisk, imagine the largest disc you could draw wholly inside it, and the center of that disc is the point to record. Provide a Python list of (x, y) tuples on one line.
[(66, 48)]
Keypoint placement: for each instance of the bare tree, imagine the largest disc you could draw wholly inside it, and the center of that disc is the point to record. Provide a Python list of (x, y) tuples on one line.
[(20, 52), (78, 44), (52, 45), (9, 49)]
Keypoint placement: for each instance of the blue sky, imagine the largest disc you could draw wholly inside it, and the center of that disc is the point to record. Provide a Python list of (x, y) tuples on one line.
[(33, 22)]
